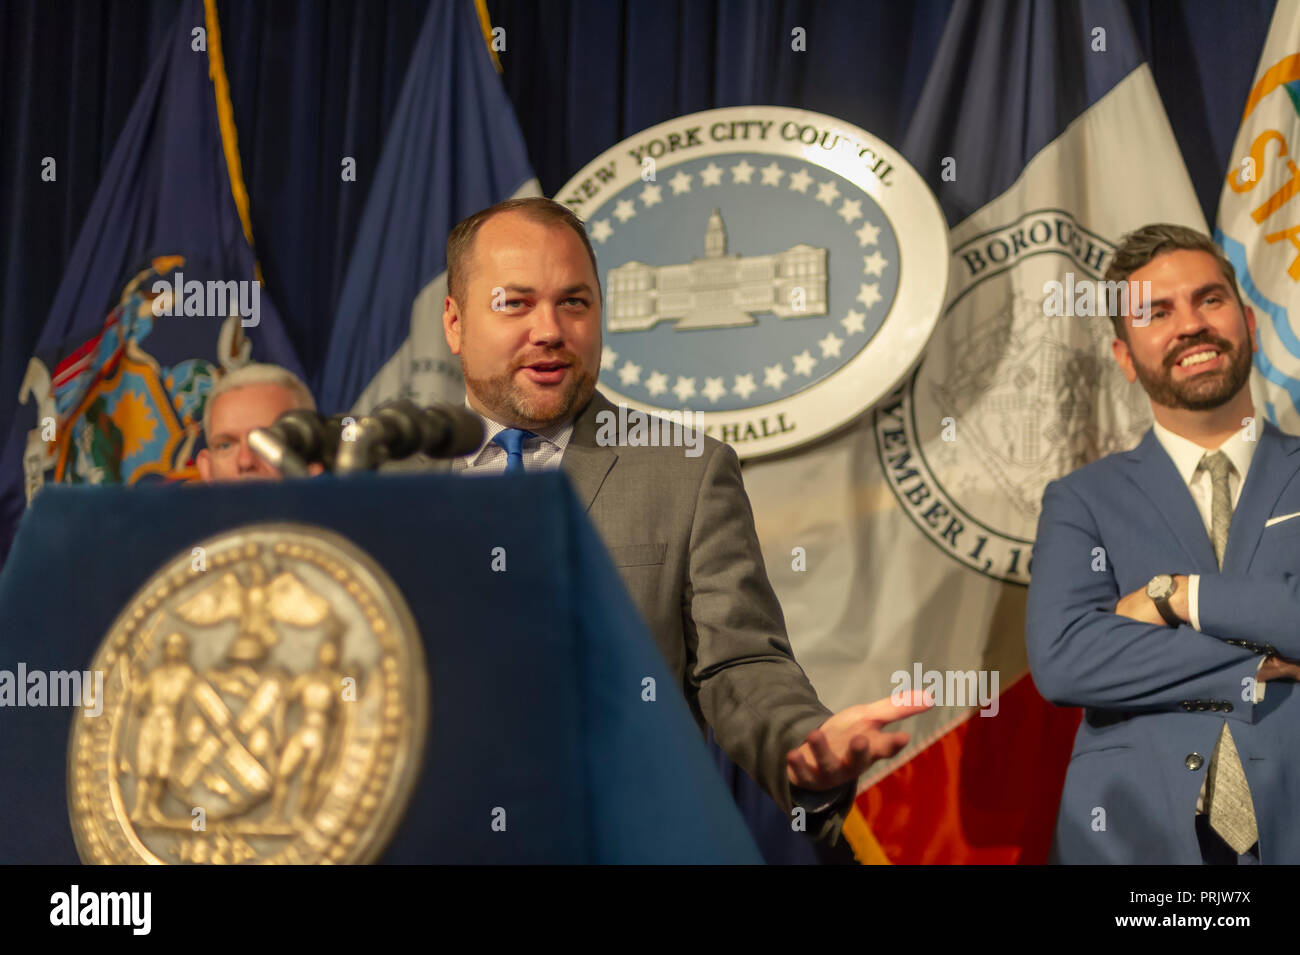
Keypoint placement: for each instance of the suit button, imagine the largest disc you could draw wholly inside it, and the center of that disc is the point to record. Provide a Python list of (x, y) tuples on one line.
[(1193, 761), (1227, 707), (1214, 706), (1186, 704), (1201, 704)]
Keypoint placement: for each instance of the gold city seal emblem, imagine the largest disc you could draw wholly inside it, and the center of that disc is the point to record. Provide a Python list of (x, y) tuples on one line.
[(265, 700)]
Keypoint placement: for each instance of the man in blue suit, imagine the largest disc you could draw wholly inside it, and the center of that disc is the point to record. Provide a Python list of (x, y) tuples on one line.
[(1166, 590)]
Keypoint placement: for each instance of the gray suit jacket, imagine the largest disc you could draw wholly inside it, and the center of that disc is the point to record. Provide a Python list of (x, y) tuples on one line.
[(681, 532)]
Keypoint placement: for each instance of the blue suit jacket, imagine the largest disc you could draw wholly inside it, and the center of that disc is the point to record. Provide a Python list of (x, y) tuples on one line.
[(1155, 698)]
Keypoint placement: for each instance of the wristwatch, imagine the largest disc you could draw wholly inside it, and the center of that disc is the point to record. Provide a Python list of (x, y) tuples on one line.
[(1160, 589)]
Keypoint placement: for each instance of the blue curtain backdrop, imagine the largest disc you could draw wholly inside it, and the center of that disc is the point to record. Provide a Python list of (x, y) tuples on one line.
[(313, 82)]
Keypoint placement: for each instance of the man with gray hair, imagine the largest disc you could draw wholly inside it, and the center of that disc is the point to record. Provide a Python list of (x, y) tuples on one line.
[(252, 396)]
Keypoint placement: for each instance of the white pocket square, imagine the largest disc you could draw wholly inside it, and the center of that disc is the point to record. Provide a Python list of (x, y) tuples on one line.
[(1280, 518)]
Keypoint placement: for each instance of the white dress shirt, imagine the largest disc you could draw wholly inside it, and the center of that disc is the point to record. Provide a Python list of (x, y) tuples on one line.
[(542, 453), (1186, 455)]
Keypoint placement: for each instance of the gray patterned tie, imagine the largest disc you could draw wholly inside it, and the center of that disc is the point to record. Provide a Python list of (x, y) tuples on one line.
[(1227, 794)]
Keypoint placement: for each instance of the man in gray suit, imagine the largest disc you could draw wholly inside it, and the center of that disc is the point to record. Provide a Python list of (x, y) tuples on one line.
[(523, 313)]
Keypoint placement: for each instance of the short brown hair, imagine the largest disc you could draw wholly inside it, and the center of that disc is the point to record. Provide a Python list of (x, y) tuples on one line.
[(460, 243), (1142, 245)]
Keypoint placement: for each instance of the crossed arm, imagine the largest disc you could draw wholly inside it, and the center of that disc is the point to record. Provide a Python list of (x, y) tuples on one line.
[(1090, 646), (1138, 606)]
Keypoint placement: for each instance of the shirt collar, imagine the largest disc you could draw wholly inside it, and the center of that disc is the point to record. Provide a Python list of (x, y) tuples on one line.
[(1186, 453), (556, 434)]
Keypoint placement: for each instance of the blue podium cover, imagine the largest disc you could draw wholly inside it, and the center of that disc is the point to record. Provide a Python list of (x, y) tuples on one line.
[(535, 673)]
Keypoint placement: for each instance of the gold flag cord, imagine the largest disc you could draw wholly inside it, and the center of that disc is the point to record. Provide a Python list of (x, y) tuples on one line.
[(226, 120), (863, 842), (486, 23)]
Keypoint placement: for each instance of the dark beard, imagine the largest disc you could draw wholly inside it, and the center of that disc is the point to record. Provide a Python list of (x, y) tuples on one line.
[(1202, 392), (503, 397)]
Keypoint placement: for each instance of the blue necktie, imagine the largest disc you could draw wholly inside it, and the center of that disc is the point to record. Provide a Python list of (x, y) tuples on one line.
[(512, 439)]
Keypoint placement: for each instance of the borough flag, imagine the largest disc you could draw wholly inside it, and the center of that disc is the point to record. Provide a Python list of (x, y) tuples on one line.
[(1041, 132)]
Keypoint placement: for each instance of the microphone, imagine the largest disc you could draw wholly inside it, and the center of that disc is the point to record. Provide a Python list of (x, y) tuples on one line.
[(296, 439), (399, 429), (331, 434), (447, 431)]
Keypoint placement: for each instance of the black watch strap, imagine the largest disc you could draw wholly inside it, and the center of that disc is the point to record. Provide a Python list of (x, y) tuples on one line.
[(1166, 610)]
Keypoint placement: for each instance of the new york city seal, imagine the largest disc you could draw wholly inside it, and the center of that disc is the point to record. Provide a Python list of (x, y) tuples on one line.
[(265, 700)]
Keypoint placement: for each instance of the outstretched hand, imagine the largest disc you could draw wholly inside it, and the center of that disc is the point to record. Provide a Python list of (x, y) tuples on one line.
[(848, 742)]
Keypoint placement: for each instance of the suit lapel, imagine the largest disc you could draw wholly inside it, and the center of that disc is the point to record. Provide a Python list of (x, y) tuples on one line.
[(1152, 471), (1273, 465), (585, 462)]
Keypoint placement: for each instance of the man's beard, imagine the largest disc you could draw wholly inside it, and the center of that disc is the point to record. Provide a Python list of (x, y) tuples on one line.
[(1200, 392), (502, 395)]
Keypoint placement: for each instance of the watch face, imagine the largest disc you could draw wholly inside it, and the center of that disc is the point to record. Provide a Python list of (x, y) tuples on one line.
[(1161, 586)]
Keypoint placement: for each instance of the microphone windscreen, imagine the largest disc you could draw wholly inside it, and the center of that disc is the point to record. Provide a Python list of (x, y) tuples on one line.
[(302, 431), (403, 425), (459, 431)]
